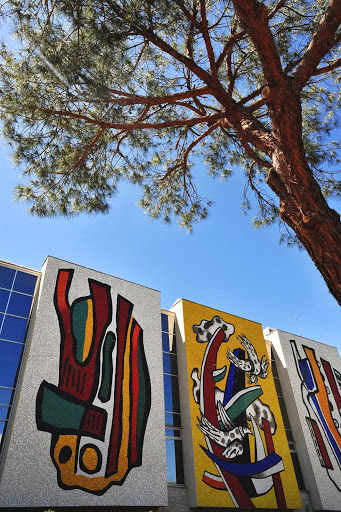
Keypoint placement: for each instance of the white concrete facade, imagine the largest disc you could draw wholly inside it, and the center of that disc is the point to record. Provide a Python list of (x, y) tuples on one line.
[(308, 372), (28, 475)]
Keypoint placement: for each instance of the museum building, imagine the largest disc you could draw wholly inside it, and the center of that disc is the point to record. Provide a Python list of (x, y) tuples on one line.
[(108, 401)]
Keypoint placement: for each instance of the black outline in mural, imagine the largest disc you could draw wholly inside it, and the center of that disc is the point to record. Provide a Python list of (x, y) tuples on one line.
[(79, 385), (99, 462)]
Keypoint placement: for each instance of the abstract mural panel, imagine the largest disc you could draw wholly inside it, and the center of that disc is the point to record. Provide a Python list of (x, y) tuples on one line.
[(97, 414), (241, 453), (320, 391)]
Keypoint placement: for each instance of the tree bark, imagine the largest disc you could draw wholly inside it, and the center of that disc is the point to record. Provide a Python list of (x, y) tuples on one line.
[(302, 205), (305, 210)]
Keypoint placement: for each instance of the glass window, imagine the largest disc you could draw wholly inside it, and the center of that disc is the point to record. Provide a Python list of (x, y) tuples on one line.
[(172, 403), (274, 368), (4, 294), (3, 412), (164, 322), (170, 364), (9, 360), (6, 277), (298, 471), (172, 419), (175, 472), (2, 426), (16, 297), (171, 432), (289, 436), (165, 342), (13, 329), (5, 396), (168, 342), (278, 387), (24, 282), (284, 413), (19, 304), (2, 431)]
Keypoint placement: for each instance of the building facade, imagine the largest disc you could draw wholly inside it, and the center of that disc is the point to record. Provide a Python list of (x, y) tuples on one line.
[(108, 401)]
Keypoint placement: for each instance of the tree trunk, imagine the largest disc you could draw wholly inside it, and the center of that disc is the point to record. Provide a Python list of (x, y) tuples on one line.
[(304, 209), (302, 205)]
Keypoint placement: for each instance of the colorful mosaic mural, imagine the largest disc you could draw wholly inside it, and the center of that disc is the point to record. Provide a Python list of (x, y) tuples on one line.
[(97, 414), (320, 390), (240, 450)]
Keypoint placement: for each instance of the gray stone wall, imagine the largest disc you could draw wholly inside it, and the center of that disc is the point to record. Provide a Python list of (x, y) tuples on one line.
[(177, 499)]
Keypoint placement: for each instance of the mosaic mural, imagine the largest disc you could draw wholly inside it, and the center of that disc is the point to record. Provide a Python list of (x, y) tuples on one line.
[(320, 390), (97, 414), (244, 460)]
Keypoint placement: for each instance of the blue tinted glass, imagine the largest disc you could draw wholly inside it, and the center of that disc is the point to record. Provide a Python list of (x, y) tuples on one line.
[(172, 420), (170, 364), (171, 432), (165, 342), (168, 343), (13, 329), (175, 472), (19, 304), (2, 432), (3, 412), (1, 319), (171, 393), (170, 456), (5, 396), (164, 322), (9, 360), (6, 277), (25, 283), (4, 294)]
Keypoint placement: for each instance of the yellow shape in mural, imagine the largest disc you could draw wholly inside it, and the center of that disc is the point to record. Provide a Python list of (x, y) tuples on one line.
[(241, 454)]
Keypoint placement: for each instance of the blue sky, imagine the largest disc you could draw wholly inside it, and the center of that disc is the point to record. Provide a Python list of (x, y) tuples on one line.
[(225, 263)]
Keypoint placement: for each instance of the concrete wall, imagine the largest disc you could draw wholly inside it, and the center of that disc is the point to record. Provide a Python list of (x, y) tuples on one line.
[(308, 372), (36, 469)]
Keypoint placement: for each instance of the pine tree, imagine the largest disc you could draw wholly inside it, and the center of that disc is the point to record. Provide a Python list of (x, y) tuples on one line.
[(94, 92)]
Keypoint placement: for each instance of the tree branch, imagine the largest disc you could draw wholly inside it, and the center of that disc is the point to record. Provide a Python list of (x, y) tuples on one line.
[(328, 68), (207, 40), (252, 154), (254, 18), (188, 15), (228, 46), (319, 44), (137, 126), (189, 63), (276, 9), (139, 57), (88, 148), (183, 163), (135, 99)]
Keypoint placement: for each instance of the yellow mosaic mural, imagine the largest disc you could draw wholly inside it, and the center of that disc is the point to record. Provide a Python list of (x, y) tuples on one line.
[(241, 454)]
